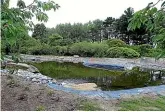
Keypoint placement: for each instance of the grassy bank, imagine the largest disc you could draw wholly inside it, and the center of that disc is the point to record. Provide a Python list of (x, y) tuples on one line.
[(144, 104)]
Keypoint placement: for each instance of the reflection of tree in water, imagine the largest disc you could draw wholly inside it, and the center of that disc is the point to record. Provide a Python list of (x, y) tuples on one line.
[(130, 79)]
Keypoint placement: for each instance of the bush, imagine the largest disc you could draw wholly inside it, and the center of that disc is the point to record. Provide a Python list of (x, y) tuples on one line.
[(153, 52), (116, 43), (146, 50), (117, 52), (29, 45), (88, 49), (48, 50), (43, 50), (60, 50)]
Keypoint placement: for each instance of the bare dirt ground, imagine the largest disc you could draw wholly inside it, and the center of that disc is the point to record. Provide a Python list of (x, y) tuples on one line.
[(20, 95)]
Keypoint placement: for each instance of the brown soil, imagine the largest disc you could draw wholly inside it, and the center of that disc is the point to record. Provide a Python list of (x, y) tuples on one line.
[(20, 95)]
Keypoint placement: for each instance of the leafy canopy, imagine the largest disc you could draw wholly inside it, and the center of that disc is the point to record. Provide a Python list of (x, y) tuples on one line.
[(16, 22), (154, 19)]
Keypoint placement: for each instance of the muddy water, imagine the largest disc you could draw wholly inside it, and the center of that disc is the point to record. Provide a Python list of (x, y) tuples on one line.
[(105, 79)]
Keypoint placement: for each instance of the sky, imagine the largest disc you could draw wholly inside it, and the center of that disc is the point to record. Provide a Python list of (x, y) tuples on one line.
[(73, 11)]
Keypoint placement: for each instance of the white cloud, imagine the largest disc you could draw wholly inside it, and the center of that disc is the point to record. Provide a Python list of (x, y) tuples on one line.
[(85, 10)]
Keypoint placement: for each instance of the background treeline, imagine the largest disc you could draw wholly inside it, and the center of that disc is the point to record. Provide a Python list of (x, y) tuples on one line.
[(98, 38)]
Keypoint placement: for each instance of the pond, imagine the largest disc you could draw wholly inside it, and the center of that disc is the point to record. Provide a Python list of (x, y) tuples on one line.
[(110, 78)]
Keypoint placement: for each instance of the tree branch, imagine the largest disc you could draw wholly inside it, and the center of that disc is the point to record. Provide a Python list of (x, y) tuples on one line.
[(30, 4), (156, 3)]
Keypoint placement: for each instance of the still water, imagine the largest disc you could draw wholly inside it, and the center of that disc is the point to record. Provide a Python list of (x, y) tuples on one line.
[(108, 78)]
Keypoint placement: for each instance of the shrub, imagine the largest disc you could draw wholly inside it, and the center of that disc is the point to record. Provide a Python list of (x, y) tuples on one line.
[(117, 52), (29, 45), (153, 52), (146, 50), (60, 50), (48, 50), (88, 49), (99, 49), (43, 50), (116, 43)]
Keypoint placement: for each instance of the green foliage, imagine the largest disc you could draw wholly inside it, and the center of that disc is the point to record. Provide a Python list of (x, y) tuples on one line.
[(154, 20), (48, 50), (55, 40), (116, 43), (40, 108), (28, 45), (146, 50), (15, 22), (88, 106), (88, 49), (144, 104), (118, 52), (40, 31)]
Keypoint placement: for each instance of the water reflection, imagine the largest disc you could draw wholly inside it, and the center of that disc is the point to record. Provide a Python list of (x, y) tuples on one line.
[(137, 77), (105, 79)]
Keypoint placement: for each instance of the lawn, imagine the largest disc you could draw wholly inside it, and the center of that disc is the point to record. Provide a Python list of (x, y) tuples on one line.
[(144, 104)]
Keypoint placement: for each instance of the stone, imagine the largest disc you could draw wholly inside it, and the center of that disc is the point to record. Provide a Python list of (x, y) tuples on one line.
[(76, 56), (54, 81), (34, 80), (63, 83), (44, 81)]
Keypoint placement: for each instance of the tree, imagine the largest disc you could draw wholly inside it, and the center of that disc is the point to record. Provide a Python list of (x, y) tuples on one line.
[(55, 40), (95, 29), (108, 27), (154, 19), (40, 31), (122, 25), (16, 22)]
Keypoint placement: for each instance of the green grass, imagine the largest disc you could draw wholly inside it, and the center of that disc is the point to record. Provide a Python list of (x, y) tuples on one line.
[(40, 108), (88, 106), (71, 70), (144, 104)]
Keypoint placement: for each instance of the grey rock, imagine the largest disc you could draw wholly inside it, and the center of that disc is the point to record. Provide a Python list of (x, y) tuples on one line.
[(34, 80), (54, 81)]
